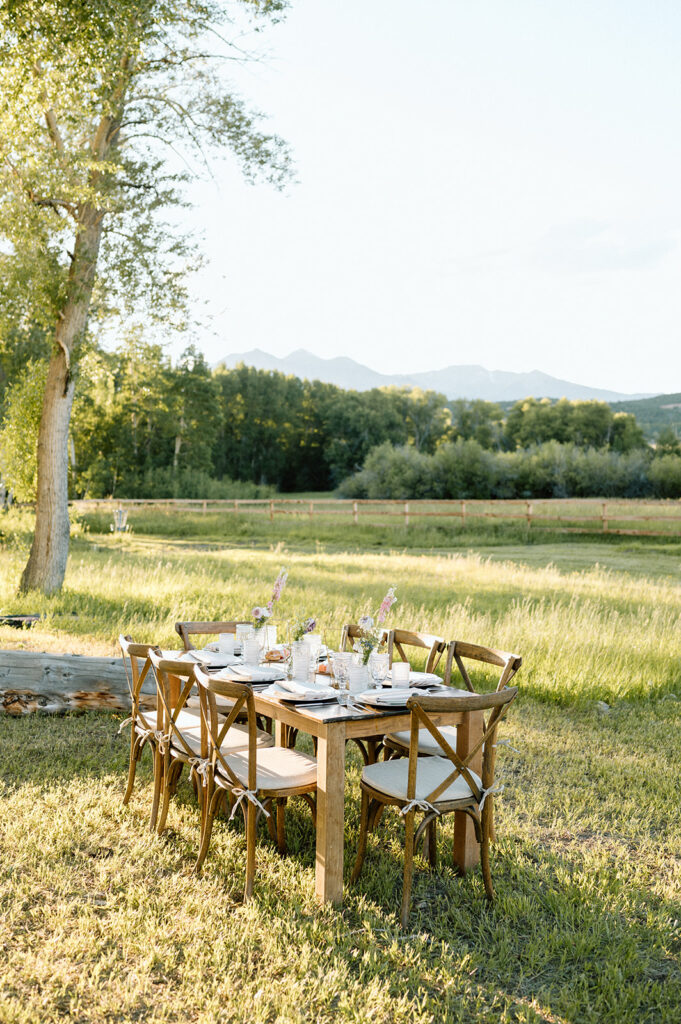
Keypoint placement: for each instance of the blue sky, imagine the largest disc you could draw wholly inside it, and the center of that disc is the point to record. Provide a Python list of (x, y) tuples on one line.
[(477, 182)]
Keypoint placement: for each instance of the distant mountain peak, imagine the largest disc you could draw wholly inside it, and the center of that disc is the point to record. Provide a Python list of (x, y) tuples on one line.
[(469, 381)]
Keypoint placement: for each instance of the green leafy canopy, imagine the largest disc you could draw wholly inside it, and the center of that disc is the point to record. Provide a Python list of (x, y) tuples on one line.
[(111, 106)]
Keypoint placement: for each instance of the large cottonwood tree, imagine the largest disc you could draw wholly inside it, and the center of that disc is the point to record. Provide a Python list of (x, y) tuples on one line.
[(106, 109)]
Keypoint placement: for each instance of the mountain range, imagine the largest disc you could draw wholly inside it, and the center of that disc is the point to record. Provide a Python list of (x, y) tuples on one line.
[(453, 381)]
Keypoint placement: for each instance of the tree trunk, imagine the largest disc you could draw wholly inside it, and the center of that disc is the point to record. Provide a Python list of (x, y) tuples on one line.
[(46, 565)]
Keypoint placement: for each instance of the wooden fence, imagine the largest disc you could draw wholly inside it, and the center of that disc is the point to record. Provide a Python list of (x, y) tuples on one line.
[(588, 515)]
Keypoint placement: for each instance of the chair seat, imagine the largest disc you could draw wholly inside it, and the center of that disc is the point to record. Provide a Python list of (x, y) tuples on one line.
[(235, 739), (221, 703), (427, 743), (390, 777), (278, 768), (188, 718)]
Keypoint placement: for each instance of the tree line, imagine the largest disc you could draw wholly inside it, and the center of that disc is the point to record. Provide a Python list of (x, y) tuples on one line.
[(143, 426)]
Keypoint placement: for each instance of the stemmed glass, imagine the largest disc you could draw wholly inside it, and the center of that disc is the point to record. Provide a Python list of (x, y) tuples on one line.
[(378, 668), (340, 663)]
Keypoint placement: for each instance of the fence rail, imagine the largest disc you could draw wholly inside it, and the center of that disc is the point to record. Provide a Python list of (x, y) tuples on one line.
[(583, 515)]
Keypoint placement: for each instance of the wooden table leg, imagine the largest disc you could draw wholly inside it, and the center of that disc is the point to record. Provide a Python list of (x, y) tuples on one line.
[(330, 813), (280, 731), (466, 849)]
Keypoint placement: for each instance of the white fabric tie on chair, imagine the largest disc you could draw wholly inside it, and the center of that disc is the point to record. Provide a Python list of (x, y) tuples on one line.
[(418, 805), (121, 727), (249, 794), (200, 766), (496, 788), (161, 738)]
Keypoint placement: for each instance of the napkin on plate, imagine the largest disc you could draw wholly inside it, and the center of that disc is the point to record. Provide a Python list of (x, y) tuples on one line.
[(297, 688), (259, 673), (397, 697), (418, 679)]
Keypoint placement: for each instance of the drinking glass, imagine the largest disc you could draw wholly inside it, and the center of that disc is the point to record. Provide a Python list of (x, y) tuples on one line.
[(244, 631), (358, 678), (378, 668), (340, 663), (252, 652), (400, 673), (300, 660)]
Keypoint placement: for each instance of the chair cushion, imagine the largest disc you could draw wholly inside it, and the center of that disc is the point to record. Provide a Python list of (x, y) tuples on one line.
[(236, 738), (278, 768), (427, 743), (221, 703), (188, 718), (390, 777)]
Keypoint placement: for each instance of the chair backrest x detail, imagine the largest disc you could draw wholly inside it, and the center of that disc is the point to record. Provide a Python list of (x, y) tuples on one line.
[(188, 629), (214, 728), (174, 682), (459, 652), (423, 707), (137, 664), (351, 632), (434, 645)]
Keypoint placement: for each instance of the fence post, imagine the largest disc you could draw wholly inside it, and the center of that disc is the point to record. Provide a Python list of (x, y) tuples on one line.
[(271, 511), (355, 512), (236, 507), (205, 507), (604, 517), (463, 513), (311, 509), (406, 513), (529, 514)]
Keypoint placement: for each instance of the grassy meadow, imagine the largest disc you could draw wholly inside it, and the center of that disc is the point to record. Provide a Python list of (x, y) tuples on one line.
[(101, 922)]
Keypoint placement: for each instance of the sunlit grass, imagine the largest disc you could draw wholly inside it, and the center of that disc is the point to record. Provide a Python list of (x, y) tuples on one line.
[(101, 922), (584, 634)]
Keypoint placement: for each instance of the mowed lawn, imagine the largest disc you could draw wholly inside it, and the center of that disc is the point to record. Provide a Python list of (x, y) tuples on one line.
[(100, 921)]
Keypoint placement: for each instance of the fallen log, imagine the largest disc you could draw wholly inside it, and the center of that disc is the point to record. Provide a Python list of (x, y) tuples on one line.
[(54, 683)]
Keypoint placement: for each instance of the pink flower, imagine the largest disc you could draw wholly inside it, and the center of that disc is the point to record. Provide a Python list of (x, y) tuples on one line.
[(279, 585), (386, 604), (260, 613)]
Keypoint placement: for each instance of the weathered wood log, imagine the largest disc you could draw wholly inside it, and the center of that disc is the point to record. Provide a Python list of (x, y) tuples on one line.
[(53, 683)]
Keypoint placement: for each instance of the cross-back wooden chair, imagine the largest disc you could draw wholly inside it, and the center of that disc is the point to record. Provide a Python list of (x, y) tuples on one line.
[(404, 638), (436, 785), (180, 737), (186, 630), (142, 721), (351, 632), (255, 778), (458, 652)]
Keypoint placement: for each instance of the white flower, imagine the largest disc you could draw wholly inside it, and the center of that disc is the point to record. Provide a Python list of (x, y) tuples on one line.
[(260, 613)]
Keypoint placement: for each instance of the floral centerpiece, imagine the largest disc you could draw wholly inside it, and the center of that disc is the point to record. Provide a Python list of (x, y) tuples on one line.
[(301, 627), (373, 633), (260, 613)]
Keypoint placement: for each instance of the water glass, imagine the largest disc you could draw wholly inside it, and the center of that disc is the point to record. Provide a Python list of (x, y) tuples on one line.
[(271, 637), (378, 667), (252, 652), (244, 631), (340, 663), (358, 678), (400, 673), (226, 643), (300, 660)]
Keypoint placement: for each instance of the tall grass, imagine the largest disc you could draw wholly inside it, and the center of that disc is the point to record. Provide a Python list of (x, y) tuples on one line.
[(592, 634)]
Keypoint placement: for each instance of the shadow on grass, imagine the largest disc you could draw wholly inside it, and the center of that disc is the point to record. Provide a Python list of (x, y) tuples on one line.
[(574, 935)]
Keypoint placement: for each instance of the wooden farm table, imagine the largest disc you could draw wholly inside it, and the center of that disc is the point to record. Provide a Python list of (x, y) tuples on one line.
[(333, 725)]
